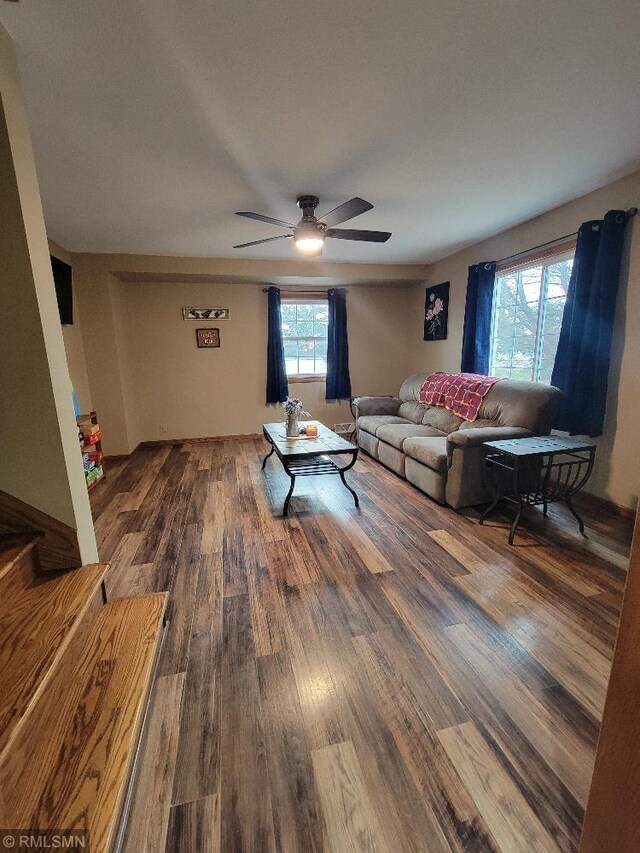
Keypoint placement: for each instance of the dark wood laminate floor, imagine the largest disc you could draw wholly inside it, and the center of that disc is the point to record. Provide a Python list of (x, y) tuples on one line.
[(395, 678)]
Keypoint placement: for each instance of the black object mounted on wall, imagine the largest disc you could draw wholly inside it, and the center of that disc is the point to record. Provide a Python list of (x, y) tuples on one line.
[(436, 312), (63, 280)]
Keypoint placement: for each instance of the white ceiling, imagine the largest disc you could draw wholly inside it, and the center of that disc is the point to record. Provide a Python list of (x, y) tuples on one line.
[(154, 120)]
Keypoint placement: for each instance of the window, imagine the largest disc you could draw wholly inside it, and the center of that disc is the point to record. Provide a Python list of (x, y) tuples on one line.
[(304, 332), (527, 314)]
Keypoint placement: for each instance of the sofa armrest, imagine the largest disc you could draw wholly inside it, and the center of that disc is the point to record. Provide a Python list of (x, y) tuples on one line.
[(475, 436), (376, 406)]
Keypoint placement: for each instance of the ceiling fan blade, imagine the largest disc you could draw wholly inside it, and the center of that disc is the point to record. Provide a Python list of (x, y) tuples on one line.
[(266, 240), (351, 208), (262, 218), (357, 234)]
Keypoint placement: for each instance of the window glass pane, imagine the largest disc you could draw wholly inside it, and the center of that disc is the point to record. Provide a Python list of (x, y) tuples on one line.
[(305, 312), (290, 349), (523, 351), (304, 329), (306, 348), (289, 329), (558, 278), (530, 284), (321, 328), (553, 315), (528, 308), (548, 354), (503, 348), (526, 319), (507, 289), (288, 312), (321, 313)]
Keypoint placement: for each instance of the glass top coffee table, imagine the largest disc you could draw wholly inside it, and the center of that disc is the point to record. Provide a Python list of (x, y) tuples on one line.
[(308, 457)]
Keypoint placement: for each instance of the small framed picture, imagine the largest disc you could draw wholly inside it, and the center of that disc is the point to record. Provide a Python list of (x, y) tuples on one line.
[(436, 312), (207, 338), (205, 313)]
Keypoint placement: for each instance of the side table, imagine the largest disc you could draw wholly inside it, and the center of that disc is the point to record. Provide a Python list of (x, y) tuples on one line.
[(537, 471)]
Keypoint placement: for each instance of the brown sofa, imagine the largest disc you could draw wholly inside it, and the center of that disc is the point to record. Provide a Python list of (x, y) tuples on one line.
[(441, 453)]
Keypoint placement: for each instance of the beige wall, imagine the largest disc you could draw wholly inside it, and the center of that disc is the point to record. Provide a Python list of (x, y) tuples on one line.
[(617, 472), (168, 382), (95, 291), (73, 342), (33, 370)]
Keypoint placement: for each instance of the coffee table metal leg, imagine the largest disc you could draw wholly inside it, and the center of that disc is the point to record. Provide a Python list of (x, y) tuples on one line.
[(349, 489), (270, 453), (285, 509), (342, 471)]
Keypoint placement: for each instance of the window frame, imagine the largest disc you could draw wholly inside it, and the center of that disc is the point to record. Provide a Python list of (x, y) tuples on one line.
[(547, 258), (296, 299)]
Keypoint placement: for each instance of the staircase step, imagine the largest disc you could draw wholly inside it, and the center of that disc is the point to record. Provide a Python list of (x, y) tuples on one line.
[(38, 614), (69, 766), (16, 551)]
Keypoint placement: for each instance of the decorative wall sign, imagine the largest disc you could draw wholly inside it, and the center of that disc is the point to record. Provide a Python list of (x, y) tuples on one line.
[(436, 312), (205, 313), (207, 338)]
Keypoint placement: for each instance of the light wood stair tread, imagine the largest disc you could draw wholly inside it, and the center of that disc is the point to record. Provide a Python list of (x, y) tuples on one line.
[(70, 766), (37, 619)]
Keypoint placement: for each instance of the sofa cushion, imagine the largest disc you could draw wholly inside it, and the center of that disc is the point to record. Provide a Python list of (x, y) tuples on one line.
[(441, 419), (410, 390), (430, 451), (396, 434), (413, 411), (515, 402), (371, 423)]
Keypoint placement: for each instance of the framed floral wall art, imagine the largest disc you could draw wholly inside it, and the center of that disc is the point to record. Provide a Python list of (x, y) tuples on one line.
[(436, 312)]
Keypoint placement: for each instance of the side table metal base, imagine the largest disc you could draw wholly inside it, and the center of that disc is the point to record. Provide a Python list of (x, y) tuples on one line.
[(537, 472)]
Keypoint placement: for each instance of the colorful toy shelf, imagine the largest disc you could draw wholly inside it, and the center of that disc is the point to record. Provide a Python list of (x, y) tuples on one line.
[(91, 446)]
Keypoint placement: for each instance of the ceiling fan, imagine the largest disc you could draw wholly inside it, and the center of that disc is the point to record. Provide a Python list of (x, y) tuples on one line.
[(310, 233)]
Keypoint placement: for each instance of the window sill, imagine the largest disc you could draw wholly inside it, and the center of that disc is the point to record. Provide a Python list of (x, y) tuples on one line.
[(301, 378)]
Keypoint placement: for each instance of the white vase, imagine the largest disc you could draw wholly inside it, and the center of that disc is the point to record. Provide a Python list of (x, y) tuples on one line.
[(293, 429)]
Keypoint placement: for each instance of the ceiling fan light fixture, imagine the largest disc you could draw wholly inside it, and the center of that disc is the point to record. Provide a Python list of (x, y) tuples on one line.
[(311, 231), (308, 239)]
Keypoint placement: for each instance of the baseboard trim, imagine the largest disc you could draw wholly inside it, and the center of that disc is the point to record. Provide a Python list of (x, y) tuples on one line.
[(595, 505), (165, 441)]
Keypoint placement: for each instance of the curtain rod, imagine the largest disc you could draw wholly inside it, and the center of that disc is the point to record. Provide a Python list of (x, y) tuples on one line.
[(266, 290), (631, 212)]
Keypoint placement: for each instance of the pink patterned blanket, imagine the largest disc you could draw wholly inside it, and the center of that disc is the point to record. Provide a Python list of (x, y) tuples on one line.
[(460, 393)]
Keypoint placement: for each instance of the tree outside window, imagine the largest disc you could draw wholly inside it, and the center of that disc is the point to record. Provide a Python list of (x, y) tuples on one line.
[(528, 306), (304, 333)]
